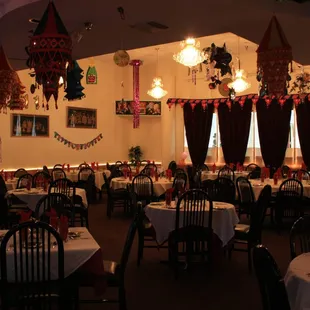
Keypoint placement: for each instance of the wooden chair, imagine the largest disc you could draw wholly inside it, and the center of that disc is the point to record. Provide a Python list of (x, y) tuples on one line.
[(58, 173), (39, 178), (271, 284), (24, 180), (226, 172), (19, 172), (246, 197)]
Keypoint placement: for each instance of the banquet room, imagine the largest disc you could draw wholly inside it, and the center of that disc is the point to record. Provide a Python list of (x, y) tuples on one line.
[(154, 155)]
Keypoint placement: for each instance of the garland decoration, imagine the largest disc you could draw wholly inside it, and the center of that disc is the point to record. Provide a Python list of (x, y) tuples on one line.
[(77, 146)]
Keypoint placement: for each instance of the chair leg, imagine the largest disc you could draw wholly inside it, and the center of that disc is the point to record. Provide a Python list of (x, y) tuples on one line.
[(140, 247), (122, 299), (250, 256)]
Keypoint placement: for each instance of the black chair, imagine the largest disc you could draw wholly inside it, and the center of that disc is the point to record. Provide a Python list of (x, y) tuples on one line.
[(271, 284), (251, 235), (86, 180), (142, 186), (289, 201), (304, 174), (246, 197), (83, 165), (115, 272), (58, 166), (147, 170), (124, 167), (24, 181), (255, 173), (285, 170), (19, 172), (60, 203), (118, 163), (252, 167), (46, 170), (115, 173), (193, 233), (226, 172), (172, 166), (224, 190), (40, 178), (300, 237), (58, 173), (31, 276), (116, 198), (179, 184)]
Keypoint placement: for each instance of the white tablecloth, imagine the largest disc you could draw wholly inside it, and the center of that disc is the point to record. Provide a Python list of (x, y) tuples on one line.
[(159, 186), (99, 179), (11, 184), (32, 197), (257, 186), (297, 282), (163, 219), (209, 175), (77, 252)]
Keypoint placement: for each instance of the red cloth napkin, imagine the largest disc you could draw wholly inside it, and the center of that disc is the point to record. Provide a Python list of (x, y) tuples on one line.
[(303, 166), (53, 218), (275, 178), (169, 174), (68, 167), (24, 216), (63, 227), (63, 166), (137, 170), (168, 196), (153, 162), (214, 168), (152, 172), (299, 175), (28, 185), (125, 162), (130, 176), (156, 176), (262, 175), (148, 161), (97, 166), (92, 165)]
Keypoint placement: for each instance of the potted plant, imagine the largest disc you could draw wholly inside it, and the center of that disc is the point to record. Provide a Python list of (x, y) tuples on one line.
[(135, 154)]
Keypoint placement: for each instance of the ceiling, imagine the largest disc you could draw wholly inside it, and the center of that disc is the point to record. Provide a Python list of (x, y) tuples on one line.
[(247, 18)]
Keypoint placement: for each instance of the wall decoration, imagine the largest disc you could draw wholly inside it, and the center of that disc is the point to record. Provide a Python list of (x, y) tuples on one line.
[(121, 58), (74, 88), (26, 125), (126, 107), (77, 146), (81, 118), (91, 75)]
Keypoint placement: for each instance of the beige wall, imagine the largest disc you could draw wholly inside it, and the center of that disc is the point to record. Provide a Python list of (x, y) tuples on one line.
[(160, 137)]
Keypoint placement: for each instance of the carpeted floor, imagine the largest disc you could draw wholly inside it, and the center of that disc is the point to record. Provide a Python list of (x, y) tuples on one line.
[(152, 285)]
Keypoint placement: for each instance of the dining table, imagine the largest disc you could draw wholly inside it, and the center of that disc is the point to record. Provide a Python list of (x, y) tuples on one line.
[(163, 218), (160, 186), (297, 282), (32, 196), (258, 185), (82, 255), (210, 175)]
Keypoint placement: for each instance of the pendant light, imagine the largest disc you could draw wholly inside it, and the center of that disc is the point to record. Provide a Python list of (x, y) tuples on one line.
[(157, 91)]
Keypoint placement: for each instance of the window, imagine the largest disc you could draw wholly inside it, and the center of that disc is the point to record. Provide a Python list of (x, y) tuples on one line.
[(293, 154)]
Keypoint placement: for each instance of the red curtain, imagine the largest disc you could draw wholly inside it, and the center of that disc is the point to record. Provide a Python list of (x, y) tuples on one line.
[(303, 125), (198, 123), (273, 128), (234, 126)]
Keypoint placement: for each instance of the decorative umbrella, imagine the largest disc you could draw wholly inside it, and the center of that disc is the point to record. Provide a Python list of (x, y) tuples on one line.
[(50, 52), (274, 55), (74, 88), (11, 89)]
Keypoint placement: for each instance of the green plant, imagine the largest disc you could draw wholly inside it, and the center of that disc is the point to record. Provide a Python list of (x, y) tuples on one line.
[(135, 154)]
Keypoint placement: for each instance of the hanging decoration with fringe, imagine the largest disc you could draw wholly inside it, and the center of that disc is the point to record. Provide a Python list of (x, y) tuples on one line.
[(77, 146)]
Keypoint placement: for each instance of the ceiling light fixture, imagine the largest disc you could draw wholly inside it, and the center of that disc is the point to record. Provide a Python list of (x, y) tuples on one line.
[(239, 84), (190, 55), (157, 91)]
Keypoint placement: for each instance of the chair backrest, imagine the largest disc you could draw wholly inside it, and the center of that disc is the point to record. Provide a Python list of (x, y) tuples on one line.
[(304, 173), (116, 173), (142, 185), (252, 167), (226, 172), (258, 213), (84, 173), (39, 178), (300, 237), (272, 288), (24, 180), (58, 166), (83, 165), (128, 245), (245, 190), (148, 168), (180, 176), (58, 173), (124, 167), (62, 186), (172, 166), (32, 256), (224, 190), (118, 163), (191, 209), (284, 170), (19, 172), (59, 202), (255, 174), (45, 169), (291, 188)]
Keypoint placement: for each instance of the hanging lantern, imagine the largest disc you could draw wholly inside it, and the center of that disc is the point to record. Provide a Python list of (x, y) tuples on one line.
[(50, 52), (74, 88), (11, 89), (274, 55)]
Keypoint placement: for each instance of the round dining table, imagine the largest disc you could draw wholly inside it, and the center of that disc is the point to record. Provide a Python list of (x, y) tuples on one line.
[(297, 282), (163, 220), (209, 175), (159, 186), (99, 179)]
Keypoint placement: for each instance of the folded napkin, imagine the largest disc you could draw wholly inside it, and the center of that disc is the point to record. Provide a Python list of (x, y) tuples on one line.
[(24, 216), (63, 166), (214, 168), (53, 218), (68, 167), (63, 227)]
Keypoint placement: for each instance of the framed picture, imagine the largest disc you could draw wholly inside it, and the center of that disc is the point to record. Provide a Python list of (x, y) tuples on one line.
[(125, 107), (26, 125), (81, 118)]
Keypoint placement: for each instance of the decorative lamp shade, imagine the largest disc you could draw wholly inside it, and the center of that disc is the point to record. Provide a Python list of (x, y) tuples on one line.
[(74, 88), (50, 52), (121, 58), (11, 89), (274, 55), (91, 75)]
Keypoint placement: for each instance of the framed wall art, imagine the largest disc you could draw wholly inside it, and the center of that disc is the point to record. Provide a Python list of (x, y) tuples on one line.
[(27, 125), (81, 118), (125, 107)]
